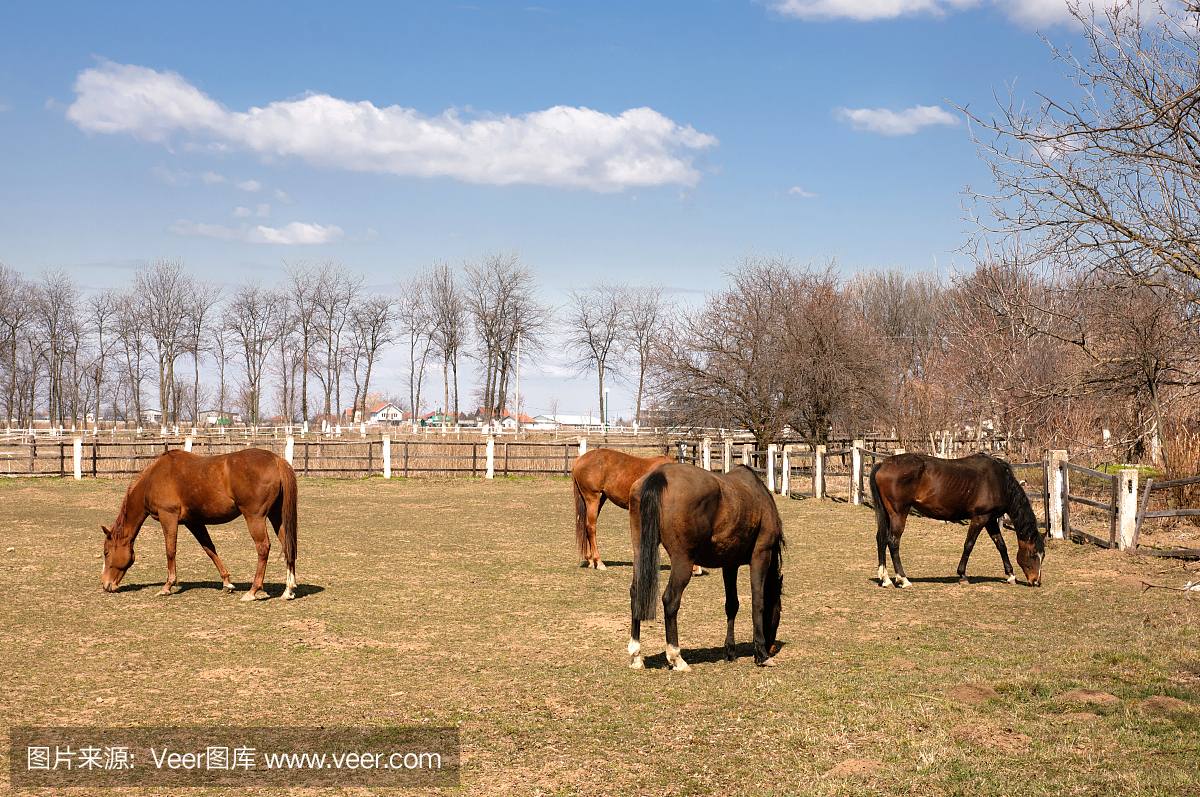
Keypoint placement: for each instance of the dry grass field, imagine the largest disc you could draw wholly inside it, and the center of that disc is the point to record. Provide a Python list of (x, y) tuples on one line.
[(460, 602)]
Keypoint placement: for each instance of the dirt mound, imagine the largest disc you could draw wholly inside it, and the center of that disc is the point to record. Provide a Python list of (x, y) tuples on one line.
[(972, 694), (854, 767), (1161, 704), (1088, 696), (995, 738)]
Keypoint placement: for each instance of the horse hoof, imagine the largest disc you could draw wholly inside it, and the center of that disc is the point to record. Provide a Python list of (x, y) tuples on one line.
[(259, 595), (600, 565), (682, 666), (287, 596), (963, 580), (767, 663), (904, 583), (164, 592), (885, 583), (1011, 579), (636, 663)]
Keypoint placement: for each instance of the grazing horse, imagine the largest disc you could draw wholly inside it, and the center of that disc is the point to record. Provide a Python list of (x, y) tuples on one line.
[(181, 487), (978, 488), (716, 520), (603, 473)]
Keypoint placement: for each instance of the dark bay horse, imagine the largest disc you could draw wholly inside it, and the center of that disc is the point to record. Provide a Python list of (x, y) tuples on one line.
[(600, 474), (978, 488), (710, 519), (184, 488)]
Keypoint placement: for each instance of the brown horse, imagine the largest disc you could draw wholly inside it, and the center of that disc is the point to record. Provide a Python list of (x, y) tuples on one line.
[(181, 487), (978, 488), (603, 473), (716, 520)]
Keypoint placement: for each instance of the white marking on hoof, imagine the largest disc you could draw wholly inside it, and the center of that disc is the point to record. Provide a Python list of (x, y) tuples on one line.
[(904, 583), (1011, 579), (162, 593), (884, 581), (676, 660), (887, 582), (255, 596), (227, 588), (697, 570), (768, 663), (634, 647), (600, 565), (635, 663)]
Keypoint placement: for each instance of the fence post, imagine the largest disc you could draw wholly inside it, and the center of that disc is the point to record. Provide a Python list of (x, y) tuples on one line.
[(727, 460), (856, 472), (1055, 488), (79, 458), (491, 456), (1127, 507), (289, 448), (819, 472), (771, 449), (582, 446), (706, 452), (187, 444), (746, 454), (387, 456), (785, 472)]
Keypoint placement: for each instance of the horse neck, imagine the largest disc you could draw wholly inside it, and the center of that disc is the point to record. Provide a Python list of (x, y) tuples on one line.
[(133, 512)]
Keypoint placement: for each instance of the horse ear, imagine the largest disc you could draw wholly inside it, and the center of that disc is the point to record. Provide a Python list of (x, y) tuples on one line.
[(106, 531)]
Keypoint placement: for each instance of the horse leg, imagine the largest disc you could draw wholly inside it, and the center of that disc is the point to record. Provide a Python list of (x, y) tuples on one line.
[(594, 548), (681, 574), (760, 563), (972, 535), (200, 532), (881, 541), (731, 608), (170, 527), (258, 531), (635, 635), (276, 517), (895, 531), (993, 529)]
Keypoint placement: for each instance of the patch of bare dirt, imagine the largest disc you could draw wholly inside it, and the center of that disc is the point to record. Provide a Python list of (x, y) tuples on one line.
[(1161, 704), (1094, 696), (995, 738), (855, 767), (972, 694)]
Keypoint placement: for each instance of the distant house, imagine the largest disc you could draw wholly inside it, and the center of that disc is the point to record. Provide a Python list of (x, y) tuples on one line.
[(218, 418), (386, 414), (152, 416)]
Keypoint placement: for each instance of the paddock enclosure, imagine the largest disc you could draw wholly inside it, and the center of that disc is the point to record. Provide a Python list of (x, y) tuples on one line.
[(460, 602)]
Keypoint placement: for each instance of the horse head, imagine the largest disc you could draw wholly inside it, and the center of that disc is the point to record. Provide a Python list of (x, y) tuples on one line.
[(1031, 553), (118, 552)]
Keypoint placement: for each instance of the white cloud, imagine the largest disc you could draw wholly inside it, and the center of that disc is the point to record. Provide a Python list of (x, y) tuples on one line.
[(282, 196), (241, 213), (562, 146), (365, 237), (263, 211), (799, 193), (250, 185), (290, 234), (4, 108), (891, 123), (1027, 12)]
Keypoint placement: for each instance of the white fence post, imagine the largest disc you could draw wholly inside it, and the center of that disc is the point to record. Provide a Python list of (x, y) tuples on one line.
[(746, 454), (387, 456), (187, 444), (856, 472), (727, 460), (1055, 487), (491, 456), (1127, 506), (706, 453), (289, 448), (819, 472), (582, 446), (785, 472), (78, 458), (771, 449)]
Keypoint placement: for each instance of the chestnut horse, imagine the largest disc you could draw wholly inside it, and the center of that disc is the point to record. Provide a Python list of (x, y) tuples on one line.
[(978, 488), (181, 487), (603, 473), (711, 519)]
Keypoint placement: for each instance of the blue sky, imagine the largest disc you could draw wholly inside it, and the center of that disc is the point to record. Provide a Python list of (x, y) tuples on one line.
[(635, 141)]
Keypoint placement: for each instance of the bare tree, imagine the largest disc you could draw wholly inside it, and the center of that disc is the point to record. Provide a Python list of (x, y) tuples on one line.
[(58, 322), (595, 321), (200, 306), (17, 307), (165, 289), (133, 332), (336, 289), (253, 317), (303, 281), (416, 327), (501, 297), (448, 308), (372, 329), (646, 314), (103, 308)]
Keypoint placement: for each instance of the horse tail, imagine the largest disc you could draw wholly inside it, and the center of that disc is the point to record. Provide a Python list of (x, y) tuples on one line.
[(645, 576), (287, 531), (581, 536), (883, 523)]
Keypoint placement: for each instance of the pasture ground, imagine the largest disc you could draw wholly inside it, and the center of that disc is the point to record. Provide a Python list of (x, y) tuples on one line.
[(460, 602)]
